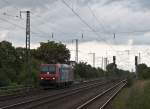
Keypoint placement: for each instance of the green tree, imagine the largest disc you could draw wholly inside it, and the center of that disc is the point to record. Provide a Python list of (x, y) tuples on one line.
[(146, 73), (85, 71), (52, 52), (111, 69), (7, 63), (140, 69)]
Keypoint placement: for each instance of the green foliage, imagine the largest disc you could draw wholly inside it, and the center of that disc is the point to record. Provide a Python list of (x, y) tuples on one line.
[(112, 70), (83, 70), (52, 52), (143, 71), (139, 98), (8, 61), (13, 64), (135, 97), (110, 67), (120, 101), (129, 80)]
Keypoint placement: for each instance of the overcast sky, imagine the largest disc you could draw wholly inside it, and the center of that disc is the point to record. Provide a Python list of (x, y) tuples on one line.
[(99, 20)]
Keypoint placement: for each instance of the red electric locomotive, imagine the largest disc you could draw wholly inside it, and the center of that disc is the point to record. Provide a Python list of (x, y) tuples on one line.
[(56, 75)]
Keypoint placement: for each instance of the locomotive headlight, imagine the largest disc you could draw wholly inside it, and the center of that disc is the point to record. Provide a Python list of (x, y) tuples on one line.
[(53, 78), (42, 78)]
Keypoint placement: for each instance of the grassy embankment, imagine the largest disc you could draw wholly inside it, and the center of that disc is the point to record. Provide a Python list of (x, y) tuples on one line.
[(134, 97)]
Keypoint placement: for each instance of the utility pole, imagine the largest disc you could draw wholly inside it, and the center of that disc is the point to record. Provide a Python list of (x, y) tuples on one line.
[(93, 59), (128, 52), (136, 63), (105, 63), (28, 61), (139, 58), (52, 35), (114, 61), (77, 50), (102, 62)]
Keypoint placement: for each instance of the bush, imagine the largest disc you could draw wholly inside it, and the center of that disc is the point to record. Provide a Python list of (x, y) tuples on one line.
[(143, 71), (85, 71), (129, 81)]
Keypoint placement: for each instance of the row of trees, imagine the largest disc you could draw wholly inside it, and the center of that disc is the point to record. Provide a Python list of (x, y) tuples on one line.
[(143, 71), (13, 63), (85, 71), (112, 70)]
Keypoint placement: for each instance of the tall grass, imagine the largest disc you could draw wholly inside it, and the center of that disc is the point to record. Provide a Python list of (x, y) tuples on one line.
[(140, 98), (135, 97)]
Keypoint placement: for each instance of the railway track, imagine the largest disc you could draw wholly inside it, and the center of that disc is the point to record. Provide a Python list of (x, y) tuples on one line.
[(20, 94), (49, 98), (101, 100), (36, 91)]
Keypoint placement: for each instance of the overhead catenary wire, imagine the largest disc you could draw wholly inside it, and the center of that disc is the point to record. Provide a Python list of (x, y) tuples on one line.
[(99, 22), (12, 23), (93, 30), (105, 32), (21, 27), (9, 15), (78, 16), (41, 32), (6, 14), (83, 21)]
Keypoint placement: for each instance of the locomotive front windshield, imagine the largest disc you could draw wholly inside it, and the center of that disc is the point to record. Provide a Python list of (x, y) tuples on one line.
[(50, 69)]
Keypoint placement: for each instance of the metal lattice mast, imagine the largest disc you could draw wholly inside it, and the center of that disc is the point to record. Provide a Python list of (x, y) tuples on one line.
[(27, 49), (28, 42), (28, 33)]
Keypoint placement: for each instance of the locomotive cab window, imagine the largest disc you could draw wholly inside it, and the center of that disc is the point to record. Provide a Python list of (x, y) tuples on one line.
[(52, 69), (44, 69)]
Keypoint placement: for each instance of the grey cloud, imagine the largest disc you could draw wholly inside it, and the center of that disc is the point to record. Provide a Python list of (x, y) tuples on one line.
[(112, 1), (26, 3), (133, 4), (53, 16), (144, 3)]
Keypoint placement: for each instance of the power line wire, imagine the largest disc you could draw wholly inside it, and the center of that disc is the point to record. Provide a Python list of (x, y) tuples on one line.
[(99, 22), (6, 2), (21, 27), (83, 21)]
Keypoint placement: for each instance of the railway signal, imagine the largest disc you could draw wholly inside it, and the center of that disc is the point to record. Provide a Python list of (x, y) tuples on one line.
[(114, 61), (136, 60)]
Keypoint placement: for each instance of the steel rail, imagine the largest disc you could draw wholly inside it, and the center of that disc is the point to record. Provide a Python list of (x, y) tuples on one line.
[(107, 102), (28, 92), (56, 96), (100, 95)]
